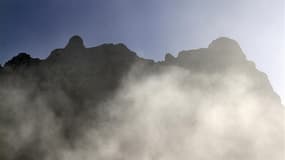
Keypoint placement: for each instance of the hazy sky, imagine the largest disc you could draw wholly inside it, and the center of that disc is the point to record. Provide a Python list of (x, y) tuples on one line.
[(149, 27)]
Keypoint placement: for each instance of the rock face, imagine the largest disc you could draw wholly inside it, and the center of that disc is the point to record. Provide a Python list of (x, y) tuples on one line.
[(75, 42), (21, 60), (169, 58), (74, 82)]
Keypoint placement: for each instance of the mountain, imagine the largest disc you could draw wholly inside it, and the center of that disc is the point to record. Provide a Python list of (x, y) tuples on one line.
[(48, 105)]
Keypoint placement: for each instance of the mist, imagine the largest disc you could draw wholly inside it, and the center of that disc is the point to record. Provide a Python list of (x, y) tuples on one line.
[(107, 103), (182, 115)]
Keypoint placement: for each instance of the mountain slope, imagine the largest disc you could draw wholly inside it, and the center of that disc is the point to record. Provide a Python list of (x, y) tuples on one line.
[(49, 105)]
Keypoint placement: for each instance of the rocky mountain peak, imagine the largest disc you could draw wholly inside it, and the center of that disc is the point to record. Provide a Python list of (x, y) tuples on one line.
[(78, 90), (75, 42), (22, 59), (225, 44)]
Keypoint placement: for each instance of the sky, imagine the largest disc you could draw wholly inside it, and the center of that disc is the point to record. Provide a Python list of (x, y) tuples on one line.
[(149, 27)]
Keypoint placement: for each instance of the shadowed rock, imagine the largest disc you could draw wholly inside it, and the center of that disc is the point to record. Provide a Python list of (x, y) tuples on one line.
[(21, 60), (75, 42), (169, 58), (224, 43), (74, 82)]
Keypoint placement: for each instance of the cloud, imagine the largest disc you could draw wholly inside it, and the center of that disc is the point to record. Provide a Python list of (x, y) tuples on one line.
[(107, 103), (176, 114)]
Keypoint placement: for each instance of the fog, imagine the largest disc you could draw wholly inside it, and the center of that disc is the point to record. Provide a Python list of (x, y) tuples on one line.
[(106, 103), (182, 115)]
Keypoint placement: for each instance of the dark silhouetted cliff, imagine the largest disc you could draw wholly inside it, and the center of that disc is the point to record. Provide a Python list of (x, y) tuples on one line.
[(47, 105)]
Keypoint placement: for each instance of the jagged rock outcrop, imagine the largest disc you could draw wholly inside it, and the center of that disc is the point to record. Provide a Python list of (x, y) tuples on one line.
[(169, 58), (222, 54), (95, 73), (74, 80), (75, 42), (22, 60)]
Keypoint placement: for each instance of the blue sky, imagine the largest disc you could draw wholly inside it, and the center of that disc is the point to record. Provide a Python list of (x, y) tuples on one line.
[(149, 27)]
